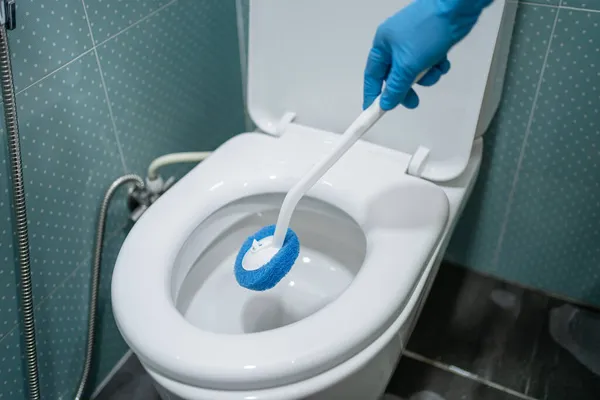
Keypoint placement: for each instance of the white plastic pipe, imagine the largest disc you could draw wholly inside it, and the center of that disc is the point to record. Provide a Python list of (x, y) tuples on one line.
[(175, 158)]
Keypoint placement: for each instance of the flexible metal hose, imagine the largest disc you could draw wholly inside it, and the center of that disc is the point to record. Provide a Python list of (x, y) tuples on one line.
[(22, 234), (96, 277), (20, 216)]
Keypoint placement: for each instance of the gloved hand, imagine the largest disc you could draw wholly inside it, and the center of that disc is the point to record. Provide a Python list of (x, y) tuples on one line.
[(416, 38)]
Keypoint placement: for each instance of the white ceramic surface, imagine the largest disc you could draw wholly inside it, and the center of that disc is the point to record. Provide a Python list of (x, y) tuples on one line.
[(401, 217), (334, 335), (214, 301), (308, 57), (365, 375)]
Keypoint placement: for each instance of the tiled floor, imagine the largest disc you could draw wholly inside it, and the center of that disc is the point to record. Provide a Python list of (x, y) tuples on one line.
[(130, 383), (477, 338), (417, 380), (499, 332)]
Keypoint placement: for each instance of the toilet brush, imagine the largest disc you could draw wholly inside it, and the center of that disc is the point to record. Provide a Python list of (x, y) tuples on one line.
[(269, 254)]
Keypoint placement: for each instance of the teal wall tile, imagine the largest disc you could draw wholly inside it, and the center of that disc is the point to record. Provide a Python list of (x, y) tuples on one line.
[(550, 238), (553, 233), (585, 4), (476, 237), (11, 374), (70, 155), (545, 2), (61, 336), (108, 18), (175, 84), (48, 35)]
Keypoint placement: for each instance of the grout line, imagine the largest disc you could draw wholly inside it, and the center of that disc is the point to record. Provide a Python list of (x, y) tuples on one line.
[(110, 113), (465, 374), (513, 188), (107, 237), (579, 9), (11, 330), (529, 3), (134, 24), (45, 298), (111, 374), (55, 70), (94, 46), (532, 356), (107, 98), (86, 262)]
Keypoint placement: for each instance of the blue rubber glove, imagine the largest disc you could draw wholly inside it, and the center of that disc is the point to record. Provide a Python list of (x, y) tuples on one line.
[(416, 38)]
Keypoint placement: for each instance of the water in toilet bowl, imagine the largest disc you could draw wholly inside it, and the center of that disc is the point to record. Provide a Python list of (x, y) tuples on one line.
[(222, 306), (211, 299)]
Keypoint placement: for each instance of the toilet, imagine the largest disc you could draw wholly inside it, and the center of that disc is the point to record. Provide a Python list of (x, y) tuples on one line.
[(373, 230)]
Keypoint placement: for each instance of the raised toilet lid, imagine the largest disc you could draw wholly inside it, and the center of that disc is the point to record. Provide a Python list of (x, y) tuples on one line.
[(308, 57), (402, 218)]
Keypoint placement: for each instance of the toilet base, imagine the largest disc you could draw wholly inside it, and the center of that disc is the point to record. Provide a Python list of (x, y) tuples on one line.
[(365, 376), (367, 383), (425, 395), (386, 396)]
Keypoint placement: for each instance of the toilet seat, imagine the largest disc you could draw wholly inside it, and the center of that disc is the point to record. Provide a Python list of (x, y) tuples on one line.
[(392, 183), (399, 215)]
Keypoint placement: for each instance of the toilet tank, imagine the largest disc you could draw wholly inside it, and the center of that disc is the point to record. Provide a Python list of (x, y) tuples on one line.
[(307, 58)]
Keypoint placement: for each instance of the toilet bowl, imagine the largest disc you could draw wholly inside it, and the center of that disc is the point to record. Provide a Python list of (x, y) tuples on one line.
[(372, 230)]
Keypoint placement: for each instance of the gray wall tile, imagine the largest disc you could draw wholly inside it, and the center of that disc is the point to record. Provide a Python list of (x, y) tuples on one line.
[(545, 2)]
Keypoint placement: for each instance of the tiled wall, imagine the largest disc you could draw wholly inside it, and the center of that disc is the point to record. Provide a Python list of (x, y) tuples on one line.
[(534, 217), (103, 88)]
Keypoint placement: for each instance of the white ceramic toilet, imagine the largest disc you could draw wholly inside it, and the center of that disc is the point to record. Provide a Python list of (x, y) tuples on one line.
[(372, 230)]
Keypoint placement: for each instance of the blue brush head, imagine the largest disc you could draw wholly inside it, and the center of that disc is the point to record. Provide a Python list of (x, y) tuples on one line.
[(269, 275)]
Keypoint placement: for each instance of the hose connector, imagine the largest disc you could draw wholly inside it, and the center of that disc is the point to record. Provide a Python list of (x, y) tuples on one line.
[(8, 14)]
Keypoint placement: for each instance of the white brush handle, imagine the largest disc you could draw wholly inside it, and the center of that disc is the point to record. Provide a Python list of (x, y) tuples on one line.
[(359, 127)]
